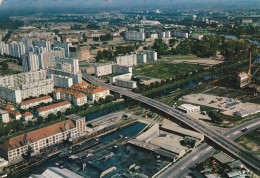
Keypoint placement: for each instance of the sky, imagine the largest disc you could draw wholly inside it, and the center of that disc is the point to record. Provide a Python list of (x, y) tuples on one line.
[(13, 4)]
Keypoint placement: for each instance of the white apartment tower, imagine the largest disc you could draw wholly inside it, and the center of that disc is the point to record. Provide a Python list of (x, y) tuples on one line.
[(67, 65), (42, 43), (31, 62)]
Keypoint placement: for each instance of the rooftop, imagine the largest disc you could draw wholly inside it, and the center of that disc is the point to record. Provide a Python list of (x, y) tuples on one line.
[(35, 100), (188, 107), (88, 88), (70, 92), (36, 135), (56, 172), (2, 111), (26, 114), (45, 108)]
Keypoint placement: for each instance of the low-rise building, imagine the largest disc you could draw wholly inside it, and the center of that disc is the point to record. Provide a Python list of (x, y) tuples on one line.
[(12, 113), (196, 37), (32, 143), (54, 108), (93, 92), (134, 36), (27, 116), (103, 70), (180, 34), (126, 83), (4, 116), (126, 77), (150, 22), (75, 97), (56, 172), (189, 108), (111, 69), (34, 102), (127, 60), (247, 112)]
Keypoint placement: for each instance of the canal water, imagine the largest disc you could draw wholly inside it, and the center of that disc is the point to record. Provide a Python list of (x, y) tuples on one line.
[(103, 112), (130, 131), (233, 37), (188, 85)]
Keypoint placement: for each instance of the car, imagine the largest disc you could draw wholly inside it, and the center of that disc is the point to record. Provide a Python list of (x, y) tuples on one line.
[(245, 130)]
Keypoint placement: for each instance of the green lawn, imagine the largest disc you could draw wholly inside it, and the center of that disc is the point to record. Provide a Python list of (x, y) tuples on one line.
[(164, 70)]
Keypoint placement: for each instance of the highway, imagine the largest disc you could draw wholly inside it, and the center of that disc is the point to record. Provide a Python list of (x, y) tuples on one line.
[(216, 137), (182, 167)]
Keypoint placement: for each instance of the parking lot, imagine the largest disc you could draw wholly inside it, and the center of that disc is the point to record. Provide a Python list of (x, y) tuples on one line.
[(228, 105)]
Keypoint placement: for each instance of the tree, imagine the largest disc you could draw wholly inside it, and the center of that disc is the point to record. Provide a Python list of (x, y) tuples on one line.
[(77, 108), (101, 100), (5, 66), (51, 117), (116, 96), (215, 117), (30, 123), (59, 114), (109, 99), (40, 119), (95, 39), (85, 106), (68, 111)]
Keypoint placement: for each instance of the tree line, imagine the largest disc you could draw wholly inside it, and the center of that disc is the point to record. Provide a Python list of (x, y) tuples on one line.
[(112, 52), (232, 50)]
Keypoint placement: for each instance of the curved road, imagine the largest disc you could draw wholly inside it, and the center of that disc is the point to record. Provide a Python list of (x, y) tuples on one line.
[(182, 167), (216, 137)]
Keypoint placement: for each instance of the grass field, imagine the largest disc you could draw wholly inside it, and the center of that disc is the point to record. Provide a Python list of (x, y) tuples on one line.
[(250, 141), (180, 57), (164, 70)]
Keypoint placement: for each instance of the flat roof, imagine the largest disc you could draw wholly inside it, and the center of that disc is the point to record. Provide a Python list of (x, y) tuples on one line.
[(2, 111), (177, 129), (74, 117), (100, 120), (223, 158)]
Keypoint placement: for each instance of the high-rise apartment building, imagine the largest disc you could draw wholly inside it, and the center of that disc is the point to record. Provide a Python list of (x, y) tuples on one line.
[(31, 62)]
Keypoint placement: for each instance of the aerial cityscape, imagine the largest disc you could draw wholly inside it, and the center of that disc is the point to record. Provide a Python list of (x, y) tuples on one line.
[(130, 88)]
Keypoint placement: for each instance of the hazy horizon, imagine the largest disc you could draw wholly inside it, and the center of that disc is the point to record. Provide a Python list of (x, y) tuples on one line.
[(30, 4)]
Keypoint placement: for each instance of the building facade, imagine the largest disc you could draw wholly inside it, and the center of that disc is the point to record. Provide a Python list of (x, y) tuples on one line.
[(127, 61), (127, 77), (53, 108), (34, 102), (4, 116), (31, 62), (93, 92), (75, 97), (33, 142), (15, 88), (126, 83), (134, 36)]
